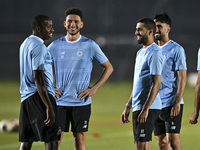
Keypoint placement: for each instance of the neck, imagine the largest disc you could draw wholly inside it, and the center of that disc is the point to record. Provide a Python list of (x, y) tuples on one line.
[(149, 42), (38, 35), (72, 37), (163, 41)]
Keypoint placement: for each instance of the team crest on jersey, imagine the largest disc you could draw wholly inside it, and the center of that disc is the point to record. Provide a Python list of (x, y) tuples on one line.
[(79, 53)]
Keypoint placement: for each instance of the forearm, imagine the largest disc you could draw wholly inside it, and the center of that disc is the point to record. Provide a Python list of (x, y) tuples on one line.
[(41, 87), (129, 103), (107, 71), (54, 75), (181, 86), (197, 98), (152, 95)]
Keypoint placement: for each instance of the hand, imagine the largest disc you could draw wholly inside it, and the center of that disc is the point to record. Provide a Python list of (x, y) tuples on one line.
[(193, 118), (125, 115), (58, 93), (142, 118), (175, 110), (50, 117), (86, 93)]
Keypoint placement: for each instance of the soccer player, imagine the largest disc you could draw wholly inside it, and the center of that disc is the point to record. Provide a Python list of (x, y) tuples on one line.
[(38, 107), (73, 56), (145, 100), (173, 80), (195, 115)]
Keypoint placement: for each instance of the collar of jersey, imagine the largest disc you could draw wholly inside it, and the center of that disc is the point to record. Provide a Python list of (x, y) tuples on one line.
[(72, 41), (37, 38), (148, 46), (165, 44)]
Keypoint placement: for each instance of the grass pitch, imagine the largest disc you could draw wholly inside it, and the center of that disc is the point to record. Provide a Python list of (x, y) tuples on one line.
[(106, 132)]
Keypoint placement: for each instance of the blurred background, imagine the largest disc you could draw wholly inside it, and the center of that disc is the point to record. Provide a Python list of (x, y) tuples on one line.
[(110, 23)]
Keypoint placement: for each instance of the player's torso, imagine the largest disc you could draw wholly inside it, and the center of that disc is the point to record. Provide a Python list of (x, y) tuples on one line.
[(73, 64), (169, 76)]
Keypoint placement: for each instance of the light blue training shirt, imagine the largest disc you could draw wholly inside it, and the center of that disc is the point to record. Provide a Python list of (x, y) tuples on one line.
[(148, 62), (34, 56), (73, 63), (198, 61), (174, 59)]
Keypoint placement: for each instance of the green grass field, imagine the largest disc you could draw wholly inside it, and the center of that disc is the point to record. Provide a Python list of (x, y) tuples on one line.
[(108, 104)]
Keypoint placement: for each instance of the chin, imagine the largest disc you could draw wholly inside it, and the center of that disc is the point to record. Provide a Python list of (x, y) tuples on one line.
[(139, 42), (47, 38)]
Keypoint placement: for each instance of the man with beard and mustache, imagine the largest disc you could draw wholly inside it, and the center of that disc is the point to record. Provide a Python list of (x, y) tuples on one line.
[(73, 56), (145, 100), (173, 81)]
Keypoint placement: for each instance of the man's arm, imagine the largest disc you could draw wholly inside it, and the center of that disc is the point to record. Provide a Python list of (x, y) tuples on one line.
[(86, 93), (58, 92), (126, 112), (42, 90), (194, 116), (152, 95), (182, 76)]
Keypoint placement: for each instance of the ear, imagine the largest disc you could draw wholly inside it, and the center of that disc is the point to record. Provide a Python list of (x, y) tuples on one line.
[(151, 32), (37, 29), (64, 23), (168, 29), (82, 24)]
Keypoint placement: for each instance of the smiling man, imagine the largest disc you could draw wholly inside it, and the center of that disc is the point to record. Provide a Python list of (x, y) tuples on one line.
[(38, 107), (73, 57), (173, 81), (145, 100)]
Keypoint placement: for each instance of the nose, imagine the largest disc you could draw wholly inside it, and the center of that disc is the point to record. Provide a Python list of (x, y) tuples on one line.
[(73, 23), (52, 30), (157, 29), (136, 32)]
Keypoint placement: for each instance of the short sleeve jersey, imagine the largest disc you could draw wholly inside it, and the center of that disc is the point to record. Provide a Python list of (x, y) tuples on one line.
[(34, 56), (148, 62), (198, 61), (174, 59), (73, 63)]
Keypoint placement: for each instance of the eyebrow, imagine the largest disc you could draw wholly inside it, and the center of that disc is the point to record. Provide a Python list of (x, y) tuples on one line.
[(138, 28)]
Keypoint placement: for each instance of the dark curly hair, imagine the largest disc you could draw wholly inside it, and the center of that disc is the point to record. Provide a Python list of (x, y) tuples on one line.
[(74, 11), (163, 18), (148, 23)]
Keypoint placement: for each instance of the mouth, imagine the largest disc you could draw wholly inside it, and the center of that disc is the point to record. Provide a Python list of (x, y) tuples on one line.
[(157, 34), (139, 37), (72, 29)]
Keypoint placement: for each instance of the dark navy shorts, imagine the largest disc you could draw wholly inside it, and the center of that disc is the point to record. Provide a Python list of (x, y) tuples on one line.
[(143, 131), (77, 116), (164, 124), (31, 122)]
